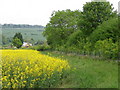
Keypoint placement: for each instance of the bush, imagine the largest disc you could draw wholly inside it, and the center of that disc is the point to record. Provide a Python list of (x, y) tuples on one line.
[(107, 48), (41, 47)]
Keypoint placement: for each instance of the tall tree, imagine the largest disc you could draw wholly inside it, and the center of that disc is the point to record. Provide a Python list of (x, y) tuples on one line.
[(17, 40), (62, 24), (94, 13), (19, 36), (108, 29)]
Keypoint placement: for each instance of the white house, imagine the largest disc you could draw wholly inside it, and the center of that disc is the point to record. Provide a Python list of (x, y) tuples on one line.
[(26, 44)]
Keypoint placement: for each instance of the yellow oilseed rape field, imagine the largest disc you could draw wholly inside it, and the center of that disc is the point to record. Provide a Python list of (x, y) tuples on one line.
[(31, 69)]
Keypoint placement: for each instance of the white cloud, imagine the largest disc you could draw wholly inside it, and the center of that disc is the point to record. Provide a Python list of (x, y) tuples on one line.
[(37, 11)]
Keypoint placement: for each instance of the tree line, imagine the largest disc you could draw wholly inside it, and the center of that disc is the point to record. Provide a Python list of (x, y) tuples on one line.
[(93, 31), (21, 26)]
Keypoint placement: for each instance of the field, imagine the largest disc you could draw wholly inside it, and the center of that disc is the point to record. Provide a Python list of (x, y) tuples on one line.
[(31, 69), (74, 49), (28, 33), (88, 72)]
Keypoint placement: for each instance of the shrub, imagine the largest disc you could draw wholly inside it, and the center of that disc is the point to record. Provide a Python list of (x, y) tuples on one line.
[(41, 47), (107, 48)]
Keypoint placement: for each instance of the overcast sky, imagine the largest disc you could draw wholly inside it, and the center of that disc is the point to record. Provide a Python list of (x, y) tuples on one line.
[(37, 11)]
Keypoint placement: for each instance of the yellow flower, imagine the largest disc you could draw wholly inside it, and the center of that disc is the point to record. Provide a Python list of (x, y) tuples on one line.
[(27, 67)]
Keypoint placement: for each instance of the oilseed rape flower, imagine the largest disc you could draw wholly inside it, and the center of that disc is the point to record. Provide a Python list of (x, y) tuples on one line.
[(30, 69)]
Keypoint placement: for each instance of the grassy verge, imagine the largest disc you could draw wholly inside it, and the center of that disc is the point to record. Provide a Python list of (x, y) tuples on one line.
[(87, 72)]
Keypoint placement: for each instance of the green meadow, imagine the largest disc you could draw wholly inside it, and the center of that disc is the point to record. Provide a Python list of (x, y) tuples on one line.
[(88, 72), (27, 33)]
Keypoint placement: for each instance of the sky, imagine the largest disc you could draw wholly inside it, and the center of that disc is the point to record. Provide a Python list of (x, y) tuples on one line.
[(37, 12)]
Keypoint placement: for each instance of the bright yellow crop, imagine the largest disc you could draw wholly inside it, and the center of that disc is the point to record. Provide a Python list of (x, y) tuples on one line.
[(30, 68)]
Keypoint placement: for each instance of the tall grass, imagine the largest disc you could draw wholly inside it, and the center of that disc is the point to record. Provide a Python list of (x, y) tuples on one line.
[(88, 72)]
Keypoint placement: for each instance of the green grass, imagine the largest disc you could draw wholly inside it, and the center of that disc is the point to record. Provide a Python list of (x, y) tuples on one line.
[(89, 72), (28, 33)]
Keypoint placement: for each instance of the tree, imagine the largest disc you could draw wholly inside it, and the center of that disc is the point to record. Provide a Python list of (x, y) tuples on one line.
[(94, 13), (19, 36), (108, 29), (75, 39), (17, 42), (62, 24)]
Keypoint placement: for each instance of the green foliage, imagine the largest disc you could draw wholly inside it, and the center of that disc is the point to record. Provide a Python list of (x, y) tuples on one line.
[(87, 47), (76, 42), (62, 24), (85, 32), (108, 29), (41, 47), (17, 42), (76, 38), (94, 13), (107, 48), (19, 36)]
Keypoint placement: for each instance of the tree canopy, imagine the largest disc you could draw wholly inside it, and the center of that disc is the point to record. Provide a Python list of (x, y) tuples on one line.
[(17, 40), (108, 29), (62, 24), (94, 13), (85, 32), (19, 36)]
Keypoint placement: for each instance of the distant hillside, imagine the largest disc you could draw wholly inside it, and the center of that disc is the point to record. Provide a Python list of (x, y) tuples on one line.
[(21, 26), (30, 33)]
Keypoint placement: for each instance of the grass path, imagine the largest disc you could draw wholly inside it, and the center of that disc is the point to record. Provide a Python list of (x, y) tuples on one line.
[(88, 72)]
